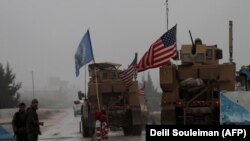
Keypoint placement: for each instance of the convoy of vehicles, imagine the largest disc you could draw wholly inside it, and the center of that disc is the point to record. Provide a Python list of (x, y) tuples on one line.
[(191, 90)]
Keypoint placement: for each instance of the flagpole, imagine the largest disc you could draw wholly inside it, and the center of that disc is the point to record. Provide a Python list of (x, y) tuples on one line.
[(167, 12), (97, 90), (136, 54), (85, 81), (96, 80)]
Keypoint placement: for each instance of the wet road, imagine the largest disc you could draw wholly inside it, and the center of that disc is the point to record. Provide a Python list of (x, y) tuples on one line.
[(66, 128)]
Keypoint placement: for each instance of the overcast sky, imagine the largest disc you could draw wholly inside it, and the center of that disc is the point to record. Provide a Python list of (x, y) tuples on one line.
[(43, 35)]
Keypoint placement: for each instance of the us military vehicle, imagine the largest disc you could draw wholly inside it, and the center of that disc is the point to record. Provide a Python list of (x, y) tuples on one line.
[(191, 89), (106, 91)]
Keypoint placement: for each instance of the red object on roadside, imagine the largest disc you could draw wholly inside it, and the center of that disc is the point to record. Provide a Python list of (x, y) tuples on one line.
[(98, 116), (104, 118), (101, 126)]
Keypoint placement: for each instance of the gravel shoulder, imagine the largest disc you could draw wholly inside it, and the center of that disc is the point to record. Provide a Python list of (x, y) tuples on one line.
[(46, 115)]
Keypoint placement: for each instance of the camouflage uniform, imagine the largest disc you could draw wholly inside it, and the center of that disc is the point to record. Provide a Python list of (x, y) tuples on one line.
[(19, 126), (32, 124)]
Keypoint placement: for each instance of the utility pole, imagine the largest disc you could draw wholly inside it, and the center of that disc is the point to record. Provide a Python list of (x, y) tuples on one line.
[(33, 90)]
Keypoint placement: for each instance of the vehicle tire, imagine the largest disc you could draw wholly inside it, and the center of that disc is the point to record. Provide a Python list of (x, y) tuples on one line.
[(126, 131), (91, 122), (85, 132), (137, 130), (169, 116), (85, 129), (134, 130), (130, 129)]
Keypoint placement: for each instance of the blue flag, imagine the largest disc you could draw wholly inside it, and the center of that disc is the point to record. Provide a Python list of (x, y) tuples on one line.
[(84, 53)]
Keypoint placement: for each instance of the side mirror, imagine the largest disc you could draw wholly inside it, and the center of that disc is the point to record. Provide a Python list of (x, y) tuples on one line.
[(80, 95), (76, 102)]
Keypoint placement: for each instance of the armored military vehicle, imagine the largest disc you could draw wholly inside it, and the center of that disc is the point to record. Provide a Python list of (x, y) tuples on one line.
[(106, 91), (191, 89)]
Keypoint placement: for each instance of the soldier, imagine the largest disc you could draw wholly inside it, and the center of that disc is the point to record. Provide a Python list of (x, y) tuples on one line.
[(19, 123), (32, 123), (198, 41)]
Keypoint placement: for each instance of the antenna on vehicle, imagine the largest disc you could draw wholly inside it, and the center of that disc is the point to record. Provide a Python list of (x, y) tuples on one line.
[(167, 12), (231, 41)]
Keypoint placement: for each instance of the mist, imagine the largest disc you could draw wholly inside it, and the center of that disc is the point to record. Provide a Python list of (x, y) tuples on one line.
[(57, 95), (42, 36)]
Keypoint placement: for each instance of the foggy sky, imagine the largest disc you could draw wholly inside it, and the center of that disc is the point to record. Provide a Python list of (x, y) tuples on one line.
[(43, 35)]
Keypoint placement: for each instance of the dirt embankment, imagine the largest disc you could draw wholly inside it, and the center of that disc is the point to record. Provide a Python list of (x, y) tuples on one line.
[(48, 116)]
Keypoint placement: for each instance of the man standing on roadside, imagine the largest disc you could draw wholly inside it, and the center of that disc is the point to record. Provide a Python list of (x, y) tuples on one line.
[(19, 123), (32, 123)]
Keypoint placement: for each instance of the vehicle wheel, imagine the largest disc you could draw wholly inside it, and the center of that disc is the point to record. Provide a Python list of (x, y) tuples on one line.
[(126, 131), (132, 130), (85, 129), (91, 122), (136, 130)]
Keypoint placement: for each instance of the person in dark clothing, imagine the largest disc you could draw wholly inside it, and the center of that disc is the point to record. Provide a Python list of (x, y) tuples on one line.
[(32, 123), (19, 123)]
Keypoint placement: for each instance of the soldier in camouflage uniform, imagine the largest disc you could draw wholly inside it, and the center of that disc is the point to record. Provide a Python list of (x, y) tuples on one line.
[(19, 123), (32, 123)]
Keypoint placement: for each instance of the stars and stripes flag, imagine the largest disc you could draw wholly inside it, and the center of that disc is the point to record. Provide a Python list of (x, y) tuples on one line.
[(160, 52), (128, 74), (84, 53)]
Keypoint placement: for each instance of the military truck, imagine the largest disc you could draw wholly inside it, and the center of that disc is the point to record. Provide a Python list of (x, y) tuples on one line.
[(191, 89), (106, 91)]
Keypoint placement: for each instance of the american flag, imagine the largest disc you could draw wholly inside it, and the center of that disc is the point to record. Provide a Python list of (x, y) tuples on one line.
[(128, 74), (160, 52)]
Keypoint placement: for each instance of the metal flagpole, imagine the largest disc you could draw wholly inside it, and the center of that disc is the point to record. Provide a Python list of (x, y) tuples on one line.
[(85, 82), (97, 90), (96, 81)]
